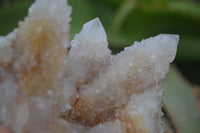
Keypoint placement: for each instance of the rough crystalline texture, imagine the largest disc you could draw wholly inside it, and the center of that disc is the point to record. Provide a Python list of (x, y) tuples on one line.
[(49, 85)]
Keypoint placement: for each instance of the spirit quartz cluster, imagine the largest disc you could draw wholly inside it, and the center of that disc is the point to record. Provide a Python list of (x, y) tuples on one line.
[(51, 85)]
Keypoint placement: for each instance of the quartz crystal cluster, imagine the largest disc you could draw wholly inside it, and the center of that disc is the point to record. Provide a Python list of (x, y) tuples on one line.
[(51, 85)]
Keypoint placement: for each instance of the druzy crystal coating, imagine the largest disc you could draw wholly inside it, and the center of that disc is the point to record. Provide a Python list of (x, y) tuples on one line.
[(51, 85)]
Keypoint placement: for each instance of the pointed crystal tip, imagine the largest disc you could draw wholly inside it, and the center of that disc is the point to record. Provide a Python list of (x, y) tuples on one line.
[(94, 29)]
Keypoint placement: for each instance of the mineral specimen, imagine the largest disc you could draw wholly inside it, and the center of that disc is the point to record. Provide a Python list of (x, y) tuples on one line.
[(49, 85)]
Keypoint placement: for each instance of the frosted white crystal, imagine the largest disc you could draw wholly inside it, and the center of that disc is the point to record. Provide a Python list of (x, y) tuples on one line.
[(54, 14), (147, 110), (87, 57), (8, 40), (89, 51), (6, 51), (52, 10), (48, 85), (8, 88), (40, 47)]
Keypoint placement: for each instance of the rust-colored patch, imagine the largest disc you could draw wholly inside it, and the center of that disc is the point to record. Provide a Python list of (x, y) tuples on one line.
[(82, 114)]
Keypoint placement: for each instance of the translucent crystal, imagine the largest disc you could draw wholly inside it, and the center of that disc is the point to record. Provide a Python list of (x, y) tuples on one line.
[(89, 57), (48, 84)]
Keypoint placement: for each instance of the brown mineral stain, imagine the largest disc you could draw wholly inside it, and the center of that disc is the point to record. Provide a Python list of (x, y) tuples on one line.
[(84, 113), (80, 114)]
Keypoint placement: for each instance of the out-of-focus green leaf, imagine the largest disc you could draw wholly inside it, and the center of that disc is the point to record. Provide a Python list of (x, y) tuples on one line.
[(143, 23), (11, 15), (190, 70), (121, 15), (82, 11), (189, 8), (4, 2), (181, 104), (113, 3)]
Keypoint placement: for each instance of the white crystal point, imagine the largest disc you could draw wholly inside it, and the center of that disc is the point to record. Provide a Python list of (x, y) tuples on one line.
[(162, 46), (168, 45), (89, 48), (94, 31), (91, 41)]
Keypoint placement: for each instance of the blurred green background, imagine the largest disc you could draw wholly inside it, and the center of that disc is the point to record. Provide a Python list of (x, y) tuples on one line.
[(126, 21)]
